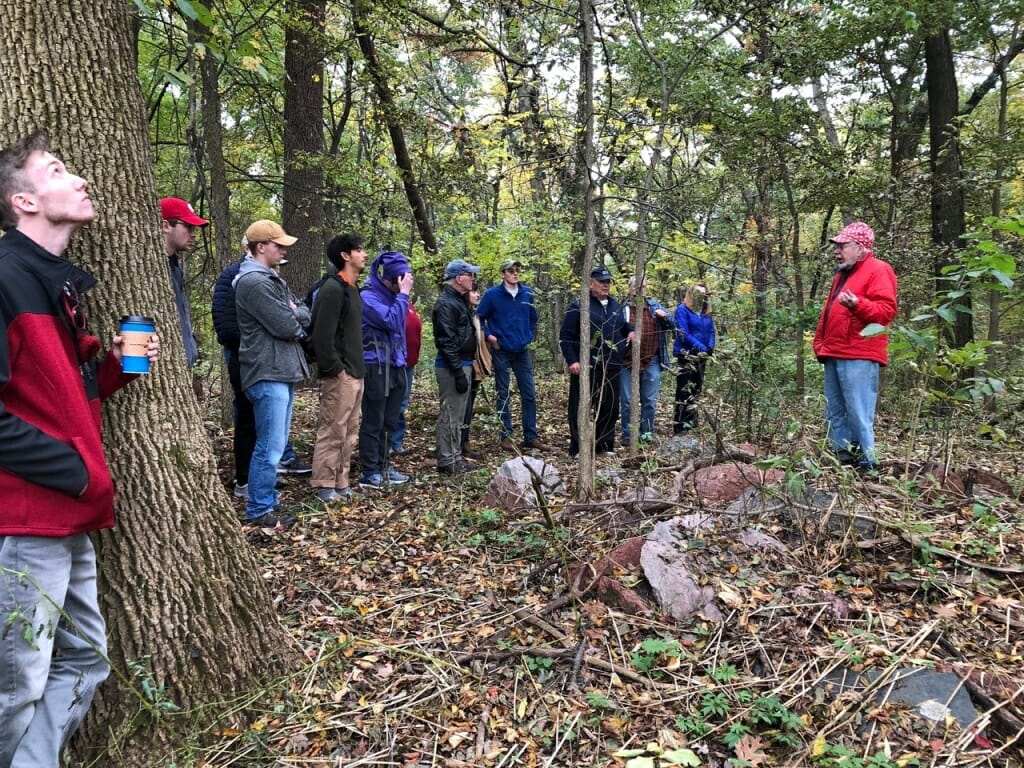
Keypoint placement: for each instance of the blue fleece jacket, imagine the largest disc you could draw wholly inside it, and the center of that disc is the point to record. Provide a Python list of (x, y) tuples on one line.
[(511, 319)]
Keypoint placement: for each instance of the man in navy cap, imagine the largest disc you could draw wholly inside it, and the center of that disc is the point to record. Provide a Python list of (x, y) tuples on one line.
[(609, 336), (455, 340)]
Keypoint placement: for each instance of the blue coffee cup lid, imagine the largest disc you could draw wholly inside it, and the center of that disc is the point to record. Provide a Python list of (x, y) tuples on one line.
[(138, 319)]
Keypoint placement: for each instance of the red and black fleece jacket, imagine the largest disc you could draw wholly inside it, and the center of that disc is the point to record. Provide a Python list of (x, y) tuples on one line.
[(54, 479)]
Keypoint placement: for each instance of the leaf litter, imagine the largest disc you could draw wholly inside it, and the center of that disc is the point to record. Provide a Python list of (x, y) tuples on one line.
[(439, 632)]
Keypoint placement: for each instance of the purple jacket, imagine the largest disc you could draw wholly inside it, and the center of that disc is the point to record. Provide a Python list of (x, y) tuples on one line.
[(383, 323)]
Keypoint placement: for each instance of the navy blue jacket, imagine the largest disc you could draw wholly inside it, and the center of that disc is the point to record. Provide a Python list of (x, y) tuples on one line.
[(608, 333)]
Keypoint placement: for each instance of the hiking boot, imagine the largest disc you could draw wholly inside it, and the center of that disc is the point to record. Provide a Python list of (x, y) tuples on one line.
[(373, 480), (397, 478), (241, 490), (399, 451), (458, 468), (328, 495), (272, 519), (536, 445), (508, 445), (469, 453), (294, 466)]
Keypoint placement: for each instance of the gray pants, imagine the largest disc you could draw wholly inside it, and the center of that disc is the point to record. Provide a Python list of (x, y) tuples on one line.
[(53, 648), (450, 415)]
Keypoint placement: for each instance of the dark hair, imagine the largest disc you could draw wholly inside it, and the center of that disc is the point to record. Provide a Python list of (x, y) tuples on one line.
[(340, 244), (12, 163)]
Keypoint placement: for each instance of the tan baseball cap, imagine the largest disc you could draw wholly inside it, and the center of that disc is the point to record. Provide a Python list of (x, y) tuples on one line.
[(267, 231)]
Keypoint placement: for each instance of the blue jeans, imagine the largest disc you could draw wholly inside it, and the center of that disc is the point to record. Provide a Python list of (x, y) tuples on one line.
[(272, 407), (53, 651), (650, 384), (851, 391), (399, 434), (520, 364)]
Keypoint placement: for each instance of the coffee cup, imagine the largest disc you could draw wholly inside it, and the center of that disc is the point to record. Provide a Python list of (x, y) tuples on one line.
[(136, 332)]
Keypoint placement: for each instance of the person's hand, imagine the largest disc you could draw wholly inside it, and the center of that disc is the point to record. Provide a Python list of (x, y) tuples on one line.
[(153, 348), (629, 339), (493, 341), (574, 369), (461, 382), (848, 299), (660, 313), (405, 283)]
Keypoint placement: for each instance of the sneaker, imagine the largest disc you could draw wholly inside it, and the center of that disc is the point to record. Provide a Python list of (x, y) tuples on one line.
[(507, 445), (241, 490), (399, 451), (536, 445), (397, 478), (374, 480), (295, 466), (328, 495), (343, 493), (606, 453), (271, 519)]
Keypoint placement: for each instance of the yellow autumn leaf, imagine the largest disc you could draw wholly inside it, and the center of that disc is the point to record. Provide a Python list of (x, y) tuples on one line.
[(818, 747)]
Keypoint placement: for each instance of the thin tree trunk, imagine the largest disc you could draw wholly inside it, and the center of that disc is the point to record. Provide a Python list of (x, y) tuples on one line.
[(180, 588), (585, 159), (390, 110)]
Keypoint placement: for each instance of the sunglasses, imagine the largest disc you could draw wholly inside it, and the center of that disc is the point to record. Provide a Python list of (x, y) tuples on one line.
[(189, 227)]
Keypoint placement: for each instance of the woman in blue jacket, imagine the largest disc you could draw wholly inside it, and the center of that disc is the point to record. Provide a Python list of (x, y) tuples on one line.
[(695, 341)]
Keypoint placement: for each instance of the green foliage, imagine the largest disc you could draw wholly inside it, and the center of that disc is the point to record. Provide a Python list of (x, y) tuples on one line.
[(654, 651)]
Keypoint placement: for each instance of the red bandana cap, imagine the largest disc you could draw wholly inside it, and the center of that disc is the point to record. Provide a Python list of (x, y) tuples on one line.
[(857, 232)]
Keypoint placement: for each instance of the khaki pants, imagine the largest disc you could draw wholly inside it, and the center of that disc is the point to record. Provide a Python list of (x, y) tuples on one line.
[(340, 398)]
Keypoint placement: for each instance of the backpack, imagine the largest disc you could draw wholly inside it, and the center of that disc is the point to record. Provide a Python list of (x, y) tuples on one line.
[(306, 342)]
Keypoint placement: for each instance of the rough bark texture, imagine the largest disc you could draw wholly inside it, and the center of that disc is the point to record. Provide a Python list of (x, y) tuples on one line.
[(179, 586), (303, 209), (947, 170)]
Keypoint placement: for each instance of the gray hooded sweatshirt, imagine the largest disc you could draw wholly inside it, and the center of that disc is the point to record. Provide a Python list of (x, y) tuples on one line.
[(269, 326)]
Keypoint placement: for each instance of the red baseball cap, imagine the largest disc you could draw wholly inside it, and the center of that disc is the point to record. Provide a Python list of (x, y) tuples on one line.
[(180, 210), (856, 232)]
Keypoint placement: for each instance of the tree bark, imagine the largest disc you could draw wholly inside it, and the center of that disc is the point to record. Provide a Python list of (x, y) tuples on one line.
[(585, 159), (390, 110), (947, 194), (180, 588), (302, 212)]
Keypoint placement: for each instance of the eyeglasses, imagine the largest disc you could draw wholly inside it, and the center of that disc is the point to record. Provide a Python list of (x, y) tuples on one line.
[(189, 227)]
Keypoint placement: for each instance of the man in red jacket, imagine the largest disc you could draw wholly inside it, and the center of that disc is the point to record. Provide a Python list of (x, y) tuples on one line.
[(863, 293), (55, 486)]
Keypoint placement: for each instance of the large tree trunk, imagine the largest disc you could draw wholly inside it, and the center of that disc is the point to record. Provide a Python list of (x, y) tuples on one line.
[(179, 586), (947, 192), (303, 210)]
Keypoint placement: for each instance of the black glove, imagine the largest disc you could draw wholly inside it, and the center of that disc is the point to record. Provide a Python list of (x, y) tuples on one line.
[(461, 382)]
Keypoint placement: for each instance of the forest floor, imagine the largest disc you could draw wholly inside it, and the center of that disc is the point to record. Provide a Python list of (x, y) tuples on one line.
[(440, 632)]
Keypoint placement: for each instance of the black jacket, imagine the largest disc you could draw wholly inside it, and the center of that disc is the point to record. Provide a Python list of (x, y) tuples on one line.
[(608, 333), (454, 335)]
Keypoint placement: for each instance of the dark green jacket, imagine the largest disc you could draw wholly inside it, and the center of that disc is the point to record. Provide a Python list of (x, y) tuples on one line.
[(337, 330)]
